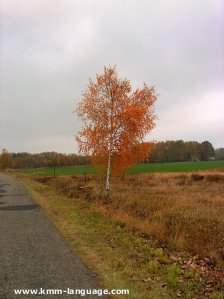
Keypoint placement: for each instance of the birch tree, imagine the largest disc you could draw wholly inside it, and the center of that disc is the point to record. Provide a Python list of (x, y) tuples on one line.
[(115, 119)]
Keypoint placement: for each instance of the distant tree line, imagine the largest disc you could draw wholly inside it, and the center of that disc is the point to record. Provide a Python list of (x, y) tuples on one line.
[(165, 151), (179, 151), (5, 160), (219, 154), (45, 159)]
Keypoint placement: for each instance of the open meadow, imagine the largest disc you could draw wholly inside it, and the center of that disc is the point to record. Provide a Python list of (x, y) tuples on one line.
[(181, 211), (181, 214)]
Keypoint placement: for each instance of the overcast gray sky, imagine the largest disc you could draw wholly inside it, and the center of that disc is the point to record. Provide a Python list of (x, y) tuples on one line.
[(50, 48)]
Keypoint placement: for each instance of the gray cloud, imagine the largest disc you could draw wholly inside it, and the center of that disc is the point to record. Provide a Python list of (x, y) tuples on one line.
[(49, 49)]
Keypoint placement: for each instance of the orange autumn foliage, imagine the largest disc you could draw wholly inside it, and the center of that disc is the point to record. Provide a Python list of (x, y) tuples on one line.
[(116, 119), (122, 160)]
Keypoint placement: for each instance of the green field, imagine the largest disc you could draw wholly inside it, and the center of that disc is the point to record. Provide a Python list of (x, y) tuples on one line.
[(176, 167), (61, 171), (139, 168)]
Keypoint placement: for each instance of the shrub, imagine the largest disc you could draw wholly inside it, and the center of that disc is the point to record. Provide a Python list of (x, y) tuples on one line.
[(197, 177), (215, 178)]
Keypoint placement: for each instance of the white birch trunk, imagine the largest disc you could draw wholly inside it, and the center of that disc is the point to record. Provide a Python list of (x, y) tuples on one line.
[(107, 192)]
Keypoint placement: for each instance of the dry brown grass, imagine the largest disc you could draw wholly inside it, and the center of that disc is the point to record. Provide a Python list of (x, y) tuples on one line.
[(180, 211)]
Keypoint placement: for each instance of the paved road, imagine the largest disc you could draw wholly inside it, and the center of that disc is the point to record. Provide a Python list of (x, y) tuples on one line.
[(33, 254)]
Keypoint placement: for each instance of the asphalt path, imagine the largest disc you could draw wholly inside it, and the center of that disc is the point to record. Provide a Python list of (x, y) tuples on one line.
[(33, 254)]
